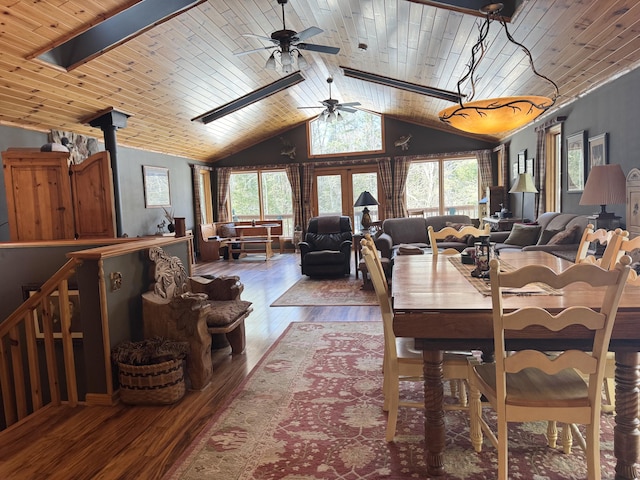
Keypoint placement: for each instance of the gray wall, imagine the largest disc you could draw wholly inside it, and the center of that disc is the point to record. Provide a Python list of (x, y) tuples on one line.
[(423, 141), (611, 109), (136, 219)]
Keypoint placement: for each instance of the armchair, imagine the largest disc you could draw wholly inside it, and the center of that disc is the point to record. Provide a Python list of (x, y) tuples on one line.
[(326, 250), (192, 309)]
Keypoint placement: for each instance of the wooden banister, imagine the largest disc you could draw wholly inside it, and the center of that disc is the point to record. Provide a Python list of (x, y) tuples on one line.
[(18, 335)]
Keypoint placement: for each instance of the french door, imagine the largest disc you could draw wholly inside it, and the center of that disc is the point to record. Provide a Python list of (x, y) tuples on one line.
[(337, 189)]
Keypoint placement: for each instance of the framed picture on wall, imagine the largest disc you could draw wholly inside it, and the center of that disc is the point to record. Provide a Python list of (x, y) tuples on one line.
[(598, 150), (529, 166), (156, 187), (514, 171), (575, 162), (54, 307), (522, 158)]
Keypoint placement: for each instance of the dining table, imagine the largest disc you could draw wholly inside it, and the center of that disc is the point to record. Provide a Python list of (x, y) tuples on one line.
[(443, 307)]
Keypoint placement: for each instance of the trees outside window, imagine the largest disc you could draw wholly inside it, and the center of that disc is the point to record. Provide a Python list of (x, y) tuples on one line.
[(262, 195), (355, 132), (443, 186)]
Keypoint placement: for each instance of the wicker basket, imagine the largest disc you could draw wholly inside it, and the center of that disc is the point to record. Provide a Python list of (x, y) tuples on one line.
[(158, 384)]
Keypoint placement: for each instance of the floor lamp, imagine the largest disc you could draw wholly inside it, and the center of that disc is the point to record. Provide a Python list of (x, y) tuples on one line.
[(524, 185)]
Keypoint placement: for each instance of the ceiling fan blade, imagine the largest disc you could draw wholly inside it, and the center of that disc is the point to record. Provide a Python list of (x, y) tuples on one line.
[(246, 52), (346, 109), (307, 33), (261, 37), (318, 48), (349, 104), (309, 107)]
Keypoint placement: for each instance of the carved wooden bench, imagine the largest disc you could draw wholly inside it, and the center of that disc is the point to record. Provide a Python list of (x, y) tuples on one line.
[(193, 309)]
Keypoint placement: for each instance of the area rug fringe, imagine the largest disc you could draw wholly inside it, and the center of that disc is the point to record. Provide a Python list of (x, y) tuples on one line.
[(312, 409)]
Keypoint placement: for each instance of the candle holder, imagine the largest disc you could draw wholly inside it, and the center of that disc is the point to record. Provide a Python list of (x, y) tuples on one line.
[(484, 252)]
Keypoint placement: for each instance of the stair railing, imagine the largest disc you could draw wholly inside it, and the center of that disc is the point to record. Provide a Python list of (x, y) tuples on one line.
[(21, 381)]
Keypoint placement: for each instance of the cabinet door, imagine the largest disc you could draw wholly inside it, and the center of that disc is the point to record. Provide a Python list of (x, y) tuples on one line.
[(93, 198), (38, 195)]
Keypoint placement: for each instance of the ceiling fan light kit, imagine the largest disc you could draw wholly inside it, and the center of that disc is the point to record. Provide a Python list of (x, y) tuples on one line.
[(495, 115), (332, 107), (287, 45)]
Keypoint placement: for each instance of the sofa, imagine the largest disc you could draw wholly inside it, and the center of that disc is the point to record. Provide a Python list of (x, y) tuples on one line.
[(411, 232), (554, 232)]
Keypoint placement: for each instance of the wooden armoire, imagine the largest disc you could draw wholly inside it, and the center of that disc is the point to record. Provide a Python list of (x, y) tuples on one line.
[(50, 199)]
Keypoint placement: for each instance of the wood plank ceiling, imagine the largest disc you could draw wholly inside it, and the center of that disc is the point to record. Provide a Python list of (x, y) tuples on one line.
[(186, 66)]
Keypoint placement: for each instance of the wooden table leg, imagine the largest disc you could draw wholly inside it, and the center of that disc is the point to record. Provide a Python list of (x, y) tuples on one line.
[(434, 430), (626, 436)]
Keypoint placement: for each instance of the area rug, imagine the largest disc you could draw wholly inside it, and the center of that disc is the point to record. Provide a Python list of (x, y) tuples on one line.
[(312, 410), (310, 292)]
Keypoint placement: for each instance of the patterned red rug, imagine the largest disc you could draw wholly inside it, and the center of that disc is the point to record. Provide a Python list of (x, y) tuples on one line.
[(312, 409), (310, 292)]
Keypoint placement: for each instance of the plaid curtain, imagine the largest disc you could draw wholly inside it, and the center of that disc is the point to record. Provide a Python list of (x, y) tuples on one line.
[(386, 177), (484, 168), (224, 174), (307, 191), (293, 174), (400, 170), (541, 171)]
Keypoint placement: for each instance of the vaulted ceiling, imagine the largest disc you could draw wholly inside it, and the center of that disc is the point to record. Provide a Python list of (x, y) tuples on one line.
[(185, 66)]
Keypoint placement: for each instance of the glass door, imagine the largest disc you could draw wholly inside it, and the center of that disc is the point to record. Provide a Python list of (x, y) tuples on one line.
[(337, 191)]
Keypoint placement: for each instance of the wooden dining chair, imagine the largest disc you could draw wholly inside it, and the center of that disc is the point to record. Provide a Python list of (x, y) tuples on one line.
[(610, 238), (401, 362), (435, 236), (529, 385)]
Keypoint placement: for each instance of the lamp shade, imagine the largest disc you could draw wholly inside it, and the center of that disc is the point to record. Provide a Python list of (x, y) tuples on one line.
[(524, 184), (365, 199), (606, 185), (495, 115)]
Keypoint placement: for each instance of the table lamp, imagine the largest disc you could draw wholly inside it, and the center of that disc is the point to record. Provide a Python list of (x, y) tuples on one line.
[(365, 199), (524, 185), (606, 184)]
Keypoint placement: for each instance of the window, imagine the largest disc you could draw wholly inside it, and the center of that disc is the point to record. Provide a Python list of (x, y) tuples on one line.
[(443, 186), (353, 133), (262, 195), (338, 189), (206, 202)]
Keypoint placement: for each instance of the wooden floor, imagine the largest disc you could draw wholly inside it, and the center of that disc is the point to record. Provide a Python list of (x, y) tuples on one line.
[(125, 442)]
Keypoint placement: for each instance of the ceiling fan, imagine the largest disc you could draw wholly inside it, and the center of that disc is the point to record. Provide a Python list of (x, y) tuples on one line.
[(333, 107), (288, 44)]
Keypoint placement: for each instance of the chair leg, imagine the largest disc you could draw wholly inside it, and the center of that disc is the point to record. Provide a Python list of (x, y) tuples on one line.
[(475, 412), (552, 434), (610, 394), (392, 417), (463, 394), (503, 450), (567, 439), (237, 339), (593, 451)]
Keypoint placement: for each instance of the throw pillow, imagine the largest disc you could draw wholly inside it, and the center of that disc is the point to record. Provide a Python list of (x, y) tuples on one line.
[(547, 235), (228, 230), (523, 235), (565, 237), (457, 226)]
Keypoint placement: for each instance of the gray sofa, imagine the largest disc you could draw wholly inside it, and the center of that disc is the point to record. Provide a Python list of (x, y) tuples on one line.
[(567, 228), (413, 231)]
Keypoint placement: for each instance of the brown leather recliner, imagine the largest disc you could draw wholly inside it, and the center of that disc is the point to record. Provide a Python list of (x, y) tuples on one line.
[(326, 250)]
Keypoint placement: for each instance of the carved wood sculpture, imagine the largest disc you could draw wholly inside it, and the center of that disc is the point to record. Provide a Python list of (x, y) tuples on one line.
[(193, 309)]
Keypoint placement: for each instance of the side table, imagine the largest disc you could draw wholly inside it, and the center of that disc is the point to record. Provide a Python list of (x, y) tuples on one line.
[(501, 224)]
